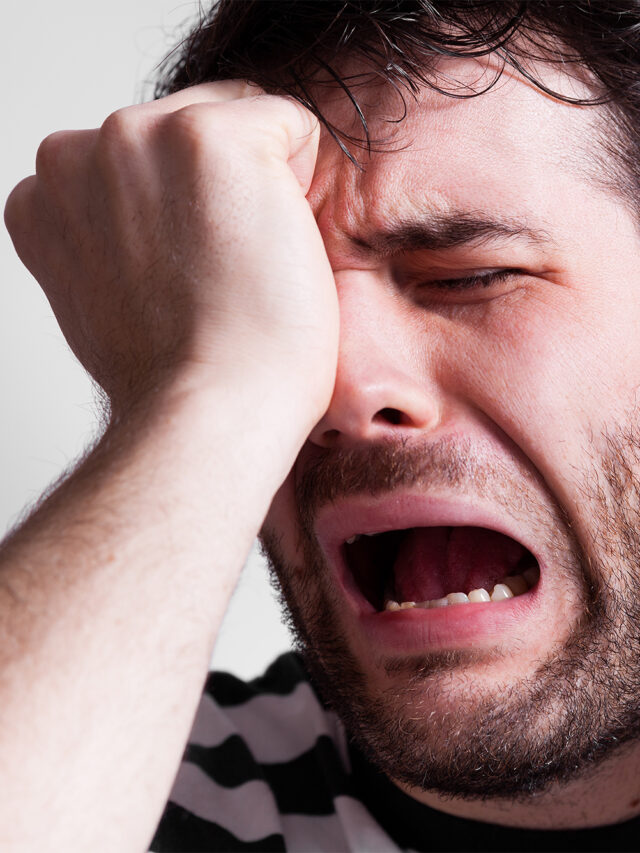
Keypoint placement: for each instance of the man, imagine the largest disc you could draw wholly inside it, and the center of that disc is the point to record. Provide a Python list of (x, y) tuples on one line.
[(414, 363)]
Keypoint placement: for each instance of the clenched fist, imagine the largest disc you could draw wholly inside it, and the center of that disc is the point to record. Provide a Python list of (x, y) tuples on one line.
[(177, 241)]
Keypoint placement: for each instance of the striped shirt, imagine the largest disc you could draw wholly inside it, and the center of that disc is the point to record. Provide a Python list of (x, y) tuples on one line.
[(268, 768)]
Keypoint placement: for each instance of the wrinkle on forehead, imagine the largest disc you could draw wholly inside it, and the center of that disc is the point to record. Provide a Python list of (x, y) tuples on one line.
[(514, 127)]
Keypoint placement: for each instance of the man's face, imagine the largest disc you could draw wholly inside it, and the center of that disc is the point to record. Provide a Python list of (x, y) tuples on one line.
[(492, 418)]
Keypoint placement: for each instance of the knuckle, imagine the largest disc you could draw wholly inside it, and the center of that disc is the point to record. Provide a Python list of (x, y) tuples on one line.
[(16, 204), (220, 131), (23, 221), (191, 123), (120, 132), (198, 132), (50, 155), (118, 124)]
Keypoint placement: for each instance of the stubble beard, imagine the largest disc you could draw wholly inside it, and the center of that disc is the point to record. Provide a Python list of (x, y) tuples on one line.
[(580, 705)]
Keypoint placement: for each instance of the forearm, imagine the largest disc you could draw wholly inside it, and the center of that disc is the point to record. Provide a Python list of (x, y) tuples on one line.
[(177, 238), (110, 600)]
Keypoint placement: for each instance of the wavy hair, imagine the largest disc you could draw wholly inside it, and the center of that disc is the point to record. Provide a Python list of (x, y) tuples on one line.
[(294, 47)]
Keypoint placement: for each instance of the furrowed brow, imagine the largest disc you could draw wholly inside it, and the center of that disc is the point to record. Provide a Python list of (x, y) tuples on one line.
[(438, 232)]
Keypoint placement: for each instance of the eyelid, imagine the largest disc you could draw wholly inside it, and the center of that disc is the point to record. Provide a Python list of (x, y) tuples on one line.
[(480, 280)]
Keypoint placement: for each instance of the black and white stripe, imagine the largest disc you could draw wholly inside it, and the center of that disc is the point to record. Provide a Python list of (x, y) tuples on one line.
[(266, 768)]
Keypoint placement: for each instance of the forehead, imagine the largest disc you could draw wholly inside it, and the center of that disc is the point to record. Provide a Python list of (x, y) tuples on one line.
[(512, 150)]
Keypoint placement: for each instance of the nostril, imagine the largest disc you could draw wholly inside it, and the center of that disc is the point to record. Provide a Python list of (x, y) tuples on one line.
[(330, 437), (391, 416)]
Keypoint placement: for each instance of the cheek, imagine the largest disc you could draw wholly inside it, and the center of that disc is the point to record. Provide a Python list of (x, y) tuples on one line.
[(552, 373)]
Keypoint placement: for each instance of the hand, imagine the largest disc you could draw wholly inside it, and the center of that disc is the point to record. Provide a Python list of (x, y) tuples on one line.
[(177, 239)]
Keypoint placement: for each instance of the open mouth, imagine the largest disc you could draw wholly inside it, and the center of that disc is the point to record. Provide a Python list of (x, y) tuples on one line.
[(432, 567)]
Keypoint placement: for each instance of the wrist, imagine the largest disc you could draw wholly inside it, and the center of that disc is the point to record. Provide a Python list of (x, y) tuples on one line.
[(257, 424)]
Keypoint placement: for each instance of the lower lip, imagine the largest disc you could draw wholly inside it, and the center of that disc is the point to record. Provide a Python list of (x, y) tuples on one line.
[(456, 626)]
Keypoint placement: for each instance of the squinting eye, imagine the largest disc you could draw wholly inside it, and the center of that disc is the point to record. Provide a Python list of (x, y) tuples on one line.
[(473, 282)]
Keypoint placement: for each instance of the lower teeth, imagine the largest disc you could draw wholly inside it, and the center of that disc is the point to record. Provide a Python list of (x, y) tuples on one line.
[(509, 587)]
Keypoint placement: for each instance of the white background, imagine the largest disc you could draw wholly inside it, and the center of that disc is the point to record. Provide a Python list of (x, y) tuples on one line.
[(66, 65)]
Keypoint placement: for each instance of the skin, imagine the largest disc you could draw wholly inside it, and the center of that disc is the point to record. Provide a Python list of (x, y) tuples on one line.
[(190, 336), (530, 374), (112, 593)]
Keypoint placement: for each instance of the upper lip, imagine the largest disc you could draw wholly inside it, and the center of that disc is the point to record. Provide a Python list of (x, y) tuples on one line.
[(400, 511)]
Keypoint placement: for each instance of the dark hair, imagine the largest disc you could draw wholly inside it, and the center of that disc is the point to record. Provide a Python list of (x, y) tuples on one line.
[(294, 47)]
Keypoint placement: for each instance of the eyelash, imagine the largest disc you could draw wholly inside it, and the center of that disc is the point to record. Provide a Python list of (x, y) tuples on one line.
[(473, 282)]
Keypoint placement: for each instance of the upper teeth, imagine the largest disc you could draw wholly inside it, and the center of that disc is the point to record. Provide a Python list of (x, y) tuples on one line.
[(353, 539)]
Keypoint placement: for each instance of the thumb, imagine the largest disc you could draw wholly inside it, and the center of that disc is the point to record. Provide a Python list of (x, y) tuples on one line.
[(304, 138)]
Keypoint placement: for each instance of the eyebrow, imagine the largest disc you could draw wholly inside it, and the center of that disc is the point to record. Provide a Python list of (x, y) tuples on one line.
[(437, 232)]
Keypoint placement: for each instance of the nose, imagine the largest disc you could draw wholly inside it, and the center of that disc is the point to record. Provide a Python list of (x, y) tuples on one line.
[(384, 388)]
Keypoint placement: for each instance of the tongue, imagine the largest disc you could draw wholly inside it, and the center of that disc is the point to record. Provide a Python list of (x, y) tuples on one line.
[(434, 561)]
